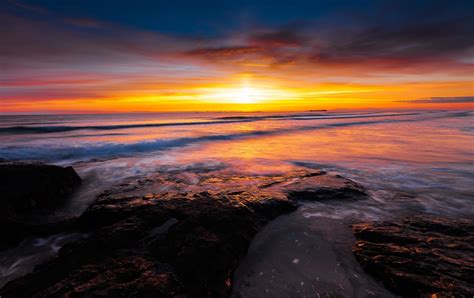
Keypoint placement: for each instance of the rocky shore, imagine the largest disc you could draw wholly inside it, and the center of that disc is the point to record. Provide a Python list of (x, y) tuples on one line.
[(27, 189), (423, 255), (183, 234), (172, 235)]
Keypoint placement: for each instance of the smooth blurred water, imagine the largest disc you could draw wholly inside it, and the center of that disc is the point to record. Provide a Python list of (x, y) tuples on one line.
[(413, 159), (411, 162)]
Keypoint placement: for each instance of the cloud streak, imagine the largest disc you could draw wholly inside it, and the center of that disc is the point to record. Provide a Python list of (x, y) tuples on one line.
[(458, 99)]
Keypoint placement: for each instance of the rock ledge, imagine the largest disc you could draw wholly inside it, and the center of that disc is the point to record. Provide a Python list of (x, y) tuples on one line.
[(171, 235), (421, 256)]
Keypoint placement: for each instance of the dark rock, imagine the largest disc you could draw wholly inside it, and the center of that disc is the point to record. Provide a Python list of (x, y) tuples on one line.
[(321, 187), (128, 276), (27, 188), (421, 256), (200, 250), (163, 236)]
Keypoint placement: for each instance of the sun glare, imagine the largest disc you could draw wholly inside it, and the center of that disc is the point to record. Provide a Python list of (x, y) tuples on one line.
[(245, 95), (242, 95)]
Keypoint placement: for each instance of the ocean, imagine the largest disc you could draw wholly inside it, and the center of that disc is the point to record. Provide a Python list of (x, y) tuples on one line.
[(410, 161)]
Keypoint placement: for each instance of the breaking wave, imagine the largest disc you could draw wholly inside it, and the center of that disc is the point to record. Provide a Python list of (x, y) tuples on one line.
[(87, 151), (22, 129)]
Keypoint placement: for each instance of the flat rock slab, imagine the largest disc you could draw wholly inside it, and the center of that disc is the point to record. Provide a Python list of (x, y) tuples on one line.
[(170, 234), (421, 256), (297, 185)]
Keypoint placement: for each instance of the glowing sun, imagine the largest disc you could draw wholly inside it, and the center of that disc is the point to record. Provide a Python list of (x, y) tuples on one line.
[(242, 95), (245, 95)]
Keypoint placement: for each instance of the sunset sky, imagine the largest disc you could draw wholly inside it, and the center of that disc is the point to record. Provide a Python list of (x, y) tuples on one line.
[(79, 56)]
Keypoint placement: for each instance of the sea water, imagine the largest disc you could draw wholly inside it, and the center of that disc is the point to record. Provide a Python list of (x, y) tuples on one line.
[(411, 162)]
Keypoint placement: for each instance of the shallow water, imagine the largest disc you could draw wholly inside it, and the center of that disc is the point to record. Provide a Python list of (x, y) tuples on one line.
[(20, 260), (411, 161)]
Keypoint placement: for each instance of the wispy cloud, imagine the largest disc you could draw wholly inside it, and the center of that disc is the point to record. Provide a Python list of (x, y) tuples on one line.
[(29, 7), (414, 47), (83, 22), (457, 99)]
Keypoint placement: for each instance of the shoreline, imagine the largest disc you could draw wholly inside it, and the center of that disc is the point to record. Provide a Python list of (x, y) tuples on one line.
[(152, 207)]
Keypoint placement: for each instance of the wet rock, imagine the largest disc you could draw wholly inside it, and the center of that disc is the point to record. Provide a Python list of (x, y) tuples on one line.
[(165, 235), (297, 185), (27, 188), (320, 186), (205, 236), (421, 256)]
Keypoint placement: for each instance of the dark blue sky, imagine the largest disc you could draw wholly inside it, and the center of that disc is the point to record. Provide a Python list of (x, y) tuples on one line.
[(211, 18)]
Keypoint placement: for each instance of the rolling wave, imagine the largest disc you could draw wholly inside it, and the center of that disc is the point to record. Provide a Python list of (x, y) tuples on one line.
[(220, 120), (52, 129), (87, 151)]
